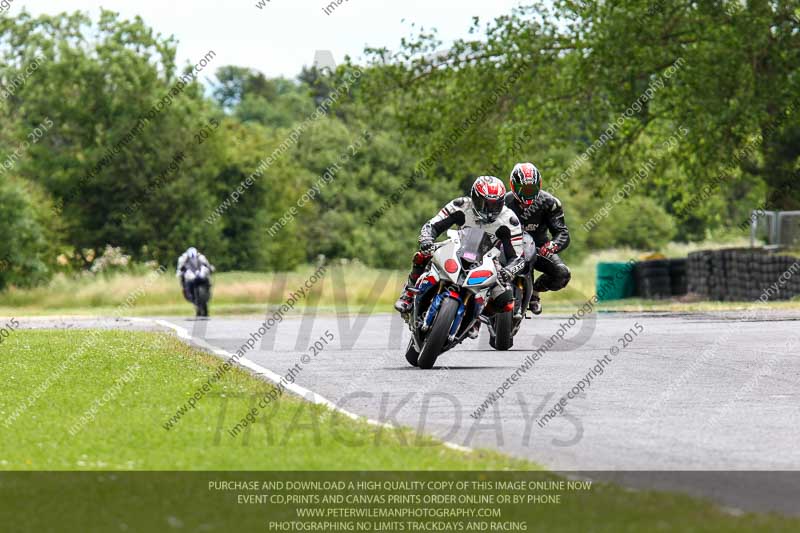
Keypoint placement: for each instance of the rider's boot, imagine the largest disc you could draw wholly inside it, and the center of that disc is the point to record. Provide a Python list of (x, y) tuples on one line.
[(518, 312), (535, 304), (403, 304), (475, 330)]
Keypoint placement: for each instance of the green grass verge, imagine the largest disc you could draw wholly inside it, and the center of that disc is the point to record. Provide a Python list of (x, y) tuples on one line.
[(126, 433)]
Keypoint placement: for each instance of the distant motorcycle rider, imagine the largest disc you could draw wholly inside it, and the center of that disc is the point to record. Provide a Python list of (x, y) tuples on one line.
[(540, 212), (191, 258), (484, 208)]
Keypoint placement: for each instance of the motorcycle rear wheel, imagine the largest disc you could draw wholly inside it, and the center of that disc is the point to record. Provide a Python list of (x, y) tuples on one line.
[(504, 331), (437, 336)]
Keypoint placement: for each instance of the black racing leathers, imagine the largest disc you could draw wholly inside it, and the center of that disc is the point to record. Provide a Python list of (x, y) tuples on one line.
[(544, 216)]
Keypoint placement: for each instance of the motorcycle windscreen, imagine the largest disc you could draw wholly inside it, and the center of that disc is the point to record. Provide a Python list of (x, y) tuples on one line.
[(474, 244)]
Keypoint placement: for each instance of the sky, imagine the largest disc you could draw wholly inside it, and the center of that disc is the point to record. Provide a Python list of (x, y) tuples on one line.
[(283, 35)]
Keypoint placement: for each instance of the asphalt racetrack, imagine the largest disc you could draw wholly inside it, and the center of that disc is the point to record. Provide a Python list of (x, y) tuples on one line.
[(691, 392)]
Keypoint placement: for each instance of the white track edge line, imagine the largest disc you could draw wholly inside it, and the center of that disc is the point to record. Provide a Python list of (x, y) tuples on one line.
[(304, 393)]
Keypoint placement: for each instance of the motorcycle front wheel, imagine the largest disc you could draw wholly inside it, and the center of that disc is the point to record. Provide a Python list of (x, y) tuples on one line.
[(201, 302), (437, 336)]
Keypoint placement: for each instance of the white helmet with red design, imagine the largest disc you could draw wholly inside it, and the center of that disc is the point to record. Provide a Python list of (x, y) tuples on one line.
[(526, 182), (488, 194)]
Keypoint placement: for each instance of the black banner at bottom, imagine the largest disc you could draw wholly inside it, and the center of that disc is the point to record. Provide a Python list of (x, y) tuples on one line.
[(390, 501)]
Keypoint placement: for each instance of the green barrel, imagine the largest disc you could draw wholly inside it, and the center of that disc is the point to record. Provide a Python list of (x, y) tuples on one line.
[(615, 281)]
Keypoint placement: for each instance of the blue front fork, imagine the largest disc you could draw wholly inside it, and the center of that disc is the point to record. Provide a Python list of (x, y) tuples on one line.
[(457, 321), (434, 309)]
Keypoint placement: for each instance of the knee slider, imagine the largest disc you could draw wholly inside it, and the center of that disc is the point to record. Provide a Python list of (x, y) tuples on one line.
[(563, 277)]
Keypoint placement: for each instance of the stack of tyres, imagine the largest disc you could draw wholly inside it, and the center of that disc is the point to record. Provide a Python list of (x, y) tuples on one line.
[(678, 275), (730, 260), (785, 272), (699, 273), (746, 260), (653, 279), (743, 275), (722, 267), (759, 274)]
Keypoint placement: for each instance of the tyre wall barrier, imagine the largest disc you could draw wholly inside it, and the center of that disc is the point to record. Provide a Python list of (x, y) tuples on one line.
[(661, 278), (743, 274), (655, 279)]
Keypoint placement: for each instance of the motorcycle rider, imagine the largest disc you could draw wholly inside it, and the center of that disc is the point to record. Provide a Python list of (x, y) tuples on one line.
[(484, 208), (196, 259), (540, 212)]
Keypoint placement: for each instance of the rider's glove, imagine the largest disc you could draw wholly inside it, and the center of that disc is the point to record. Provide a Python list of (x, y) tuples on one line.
[(426, 246), (504, 276), (548, 249)]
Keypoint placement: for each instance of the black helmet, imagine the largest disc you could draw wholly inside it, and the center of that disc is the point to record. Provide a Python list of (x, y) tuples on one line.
[(526, 182)]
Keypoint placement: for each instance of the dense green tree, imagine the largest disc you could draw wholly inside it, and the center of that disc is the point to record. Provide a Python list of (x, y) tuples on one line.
[(108, 142), (29, 245), (723, 71), (121, 115)]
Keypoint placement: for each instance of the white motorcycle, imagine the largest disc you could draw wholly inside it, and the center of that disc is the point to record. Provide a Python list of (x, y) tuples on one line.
[(451, 295), (197, 278)]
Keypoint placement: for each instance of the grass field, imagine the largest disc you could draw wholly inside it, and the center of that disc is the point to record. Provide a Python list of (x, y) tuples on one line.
[(350, 288), (125, 432)]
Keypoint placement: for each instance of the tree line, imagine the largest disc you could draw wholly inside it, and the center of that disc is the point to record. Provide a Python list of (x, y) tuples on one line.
[(107, 141)]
